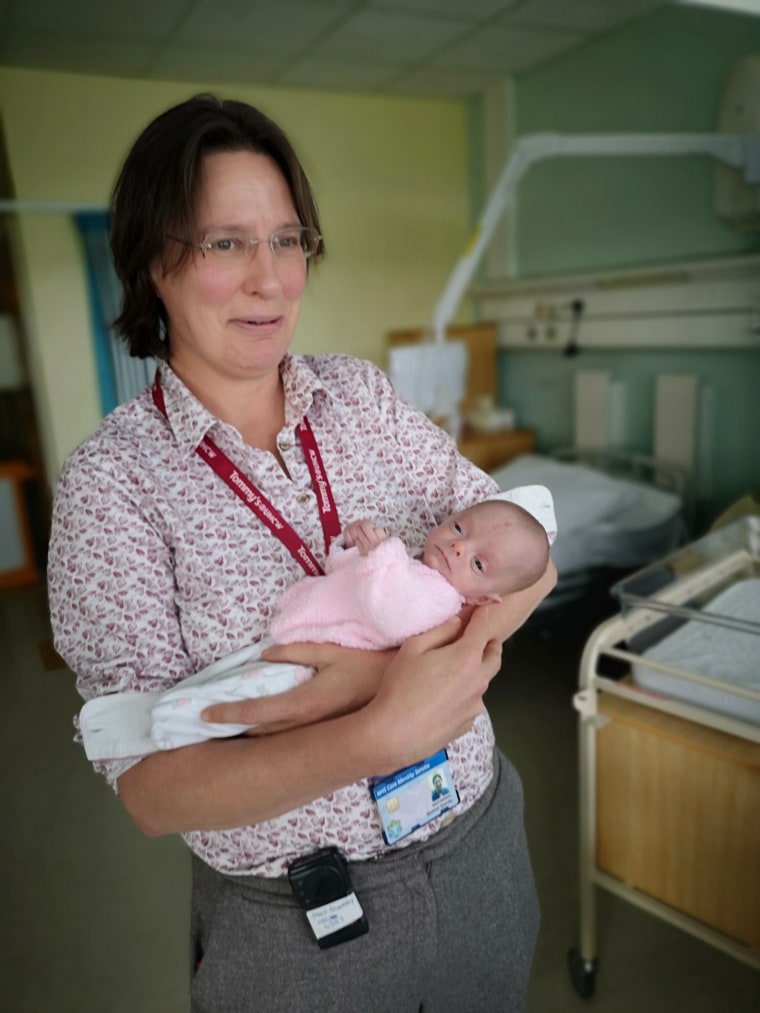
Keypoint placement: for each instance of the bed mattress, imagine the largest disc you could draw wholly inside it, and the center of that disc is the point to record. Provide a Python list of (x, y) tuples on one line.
[(717, 651), (602, 520)]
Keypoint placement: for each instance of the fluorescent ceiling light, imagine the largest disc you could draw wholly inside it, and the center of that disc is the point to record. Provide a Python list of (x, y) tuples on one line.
[(741, 6)]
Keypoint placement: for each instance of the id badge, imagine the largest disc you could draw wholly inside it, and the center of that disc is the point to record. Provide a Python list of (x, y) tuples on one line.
[(411, 797)]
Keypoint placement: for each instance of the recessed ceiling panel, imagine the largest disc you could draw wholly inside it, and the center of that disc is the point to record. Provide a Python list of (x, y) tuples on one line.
[(580, 15), (464, 10), (505, 49), (96, 56), (97, 18), (286, 26), (401, 38), (415, 47)]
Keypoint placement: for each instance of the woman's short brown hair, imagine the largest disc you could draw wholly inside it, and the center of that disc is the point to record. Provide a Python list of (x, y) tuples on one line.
[(156, 193)]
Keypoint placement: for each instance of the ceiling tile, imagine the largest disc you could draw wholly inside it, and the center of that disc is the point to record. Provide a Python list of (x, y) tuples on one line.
[(403, 38), (462, 10), (580, 15), (505, 49), (96, 18), (93, 56), (423, 47), (286, 26)]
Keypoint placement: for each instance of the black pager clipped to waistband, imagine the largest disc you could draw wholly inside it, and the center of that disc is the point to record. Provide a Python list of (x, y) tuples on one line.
[(321, 884)]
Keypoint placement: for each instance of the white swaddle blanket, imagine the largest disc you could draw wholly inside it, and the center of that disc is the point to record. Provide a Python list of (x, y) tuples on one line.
[(135, 724)]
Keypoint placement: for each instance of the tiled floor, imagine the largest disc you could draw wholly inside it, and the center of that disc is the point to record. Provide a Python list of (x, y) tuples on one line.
[(94, 915)]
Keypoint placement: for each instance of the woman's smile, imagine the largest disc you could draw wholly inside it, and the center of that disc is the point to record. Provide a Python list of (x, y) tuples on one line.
[(261, 326)]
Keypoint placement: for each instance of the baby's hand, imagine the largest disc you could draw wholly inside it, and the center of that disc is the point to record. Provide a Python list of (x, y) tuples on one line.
[(364, 535)]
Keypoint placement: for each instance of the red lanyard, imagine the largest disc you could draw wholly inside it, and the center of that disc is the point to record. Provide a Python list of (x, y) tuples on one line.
[(259, 504)]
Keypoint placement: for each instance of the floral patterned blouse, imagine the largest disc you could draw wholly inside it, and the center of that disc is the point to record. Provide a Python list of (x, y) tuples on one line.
[(156, 568)]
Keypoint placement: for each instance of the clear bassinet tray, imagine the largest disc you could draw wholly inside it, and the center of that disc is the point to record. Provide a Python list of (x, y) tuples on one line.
[(715, 579)]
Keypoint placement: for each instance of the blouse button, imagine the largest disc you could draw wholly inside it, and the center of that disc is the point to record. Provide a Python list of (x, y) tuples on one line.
[(282, 447), (303, 498)]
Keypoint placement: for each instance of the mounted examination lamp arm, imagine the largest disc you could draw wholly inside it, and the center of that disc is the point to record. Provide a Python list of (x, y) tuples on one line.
[(734, 150)]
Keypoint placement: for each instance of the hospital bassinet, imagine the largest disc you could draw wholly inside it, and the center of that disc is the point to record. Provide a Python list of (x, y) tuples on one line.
[(669, 736)]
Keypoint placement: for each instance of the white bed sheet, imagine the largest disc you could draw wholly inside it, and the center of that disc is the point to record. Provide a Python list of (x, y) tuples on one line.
[(602, 520), (718, 652)]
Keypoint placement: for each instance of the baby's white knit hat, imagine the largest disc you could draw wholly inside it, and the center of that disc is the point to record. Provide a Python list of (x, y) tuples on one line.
[(538, 502)]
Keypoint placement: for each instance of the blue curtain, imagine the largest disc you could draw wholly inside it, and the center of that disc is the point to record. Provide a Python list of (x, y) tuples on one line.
[(120, 376)]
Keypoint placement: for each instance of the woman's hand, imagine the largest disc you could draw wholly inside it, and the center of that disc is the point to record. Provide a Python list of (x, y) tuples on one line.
[(433, 690), (345, 680)]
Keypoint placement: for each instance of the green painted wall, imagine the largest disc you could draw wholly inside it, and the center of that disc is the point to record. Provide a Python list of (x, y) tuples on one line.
[(664, 72), (540, 386)]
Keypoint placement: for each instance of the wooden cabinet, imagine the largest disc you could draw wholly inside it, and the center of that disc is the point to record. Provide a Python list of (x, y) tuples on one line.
[(677, 815), (489, 450)]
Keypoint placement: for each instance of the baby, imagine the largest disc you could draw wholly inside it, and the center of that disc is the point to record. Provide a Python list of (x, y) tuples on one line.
[(373, 595)]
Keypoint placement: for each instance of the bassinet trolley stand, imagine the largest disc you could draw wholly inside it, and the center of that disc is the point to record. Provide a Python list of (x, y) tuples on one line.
[(669, 749)]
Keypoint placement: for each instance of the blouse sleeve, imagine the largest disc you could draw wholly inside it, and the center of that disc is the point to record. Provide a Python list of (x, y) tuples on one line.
[(111, 591)]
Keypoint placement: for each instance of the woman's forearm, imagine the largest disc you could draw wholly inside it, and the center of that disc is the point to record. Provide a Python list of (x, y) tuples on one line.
[(225, 783), (429, 695)]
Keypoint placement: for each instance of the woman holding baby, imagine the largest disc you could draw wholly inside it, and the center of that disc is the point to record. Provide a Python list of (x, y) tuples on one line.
[(177, 526)]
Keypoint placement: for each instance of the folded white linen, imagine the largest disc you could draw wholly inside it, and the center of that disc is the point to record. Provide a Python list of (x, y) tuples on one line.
[(135, 724)]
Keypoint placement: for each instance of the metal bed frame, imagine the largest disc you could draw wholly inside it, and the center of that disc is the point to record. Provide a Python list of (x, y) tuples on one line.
[(610, 640)]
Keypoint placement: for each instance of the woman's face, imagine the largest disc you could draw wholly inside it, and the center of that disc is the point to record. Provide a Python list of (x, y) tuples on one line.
[(234, 320)]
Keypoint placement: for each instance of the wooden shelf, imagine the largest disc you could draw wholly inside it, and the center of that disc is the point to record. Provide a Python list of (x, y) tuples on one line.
[(489, 450)]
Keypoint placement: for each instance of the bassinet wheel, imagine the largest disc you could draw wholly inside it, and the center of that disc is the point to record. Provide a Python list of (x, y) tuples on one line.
[(582, 974)]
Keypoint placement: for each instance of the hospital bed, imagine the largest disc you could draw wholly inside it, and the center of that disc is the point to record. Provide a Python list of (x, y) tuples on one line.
[(669, 748)]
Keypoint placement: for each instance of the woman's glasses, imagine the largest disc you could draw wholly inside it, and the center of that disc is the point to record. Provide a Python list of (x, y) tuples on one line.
[(291, 244)]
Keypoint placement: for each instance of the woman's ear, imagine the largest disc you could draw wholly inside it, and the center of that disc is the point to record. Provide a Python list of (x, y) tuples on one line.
[(156, 271)]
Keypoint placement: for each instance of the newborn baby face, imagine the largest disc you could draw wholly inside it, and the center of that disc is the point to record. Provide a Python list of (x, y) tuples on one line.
[(470, 550)]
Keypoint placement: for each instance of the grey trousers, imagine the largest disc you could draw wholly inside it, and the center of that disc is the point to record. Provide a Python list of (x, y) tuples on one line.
[(452, 926)]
